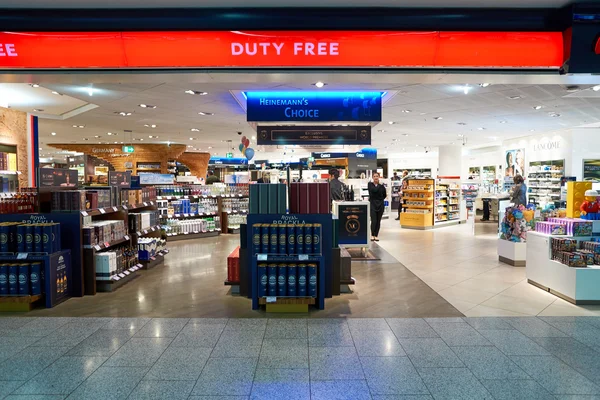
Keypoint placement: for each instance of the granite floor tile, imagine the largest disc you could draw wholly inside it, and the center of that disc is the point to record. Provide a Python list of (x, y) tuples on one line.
[(8, 387), (214, 322), (329, 335), (514, 343), (62, 377), (453, 384), (284, 353), (287, 329), (576, 397), (34, 397), (534, 327), (516, 390), (130, 324), (198, 336), (162, 327), (487, 362), (12, 323), (226, 377), (218, 397), (139, 352), (289, 384), (102, 343), (488, 323), (179, 363), (430, 352), (247, 324), (69, 335), (377, 344), (458, 320), (339, 390), (327, 321), (29, 361), (331, 363), (112, 383), (239, 344), (556, 376), (159, 390), (459, 334), (392, 376), (582, 331), (403, 397), (41, 326), (368, 324), (411, 328)]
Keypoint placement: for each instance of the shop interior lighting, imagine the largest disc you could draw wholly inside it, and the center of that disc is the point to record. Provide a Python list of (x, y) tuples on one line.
[(79, 126), (150, 126), (537, 107), (147, 106), (209, 147), (484, 84), (253, 137), (532, 130), (437, 118), (405, 134), (381, 130), (461, 123), (596, 88), (53, 133), (195, 130), (481, 128), (195, 92), (38, 110), (406, 111), (554, 115), (503, 122), (205, 113), (391, 122), (97, 136), (123, 113), (514, 97), (466, 89), (319, 84), (35, 85), (56, 93), (191, 138), (85, 138)]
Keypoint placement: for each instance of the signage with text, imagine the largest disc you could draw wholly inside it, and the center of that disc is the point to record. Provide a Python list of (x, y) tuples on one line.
[(58, 177), (324, 135), (227, 161), (354, 224), (121, 179), (256, 49), (313, 106), (127, 149), (156, 179), (591, 170), (368, 153)]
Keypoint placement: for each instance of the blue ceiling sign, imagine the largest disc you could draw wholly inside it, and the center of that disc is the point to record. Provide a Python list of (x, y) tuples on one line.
[(313, 106), (227, 161)]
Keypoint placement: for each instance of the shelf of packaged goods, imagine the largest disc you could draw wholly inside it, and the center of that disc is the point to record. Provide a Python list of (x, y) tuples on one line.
[(116, 281), (154, 260), (236, 212), (147, 230), (188, 215), (417, 191), (441, 212), (7, 172), (420, 207), (107, 245), (172, 237), (202, 196), (442, 197), (148, 169), (233, 230), (418, 198), (113, 209), (283, 258), (136, 206), (454, 197)]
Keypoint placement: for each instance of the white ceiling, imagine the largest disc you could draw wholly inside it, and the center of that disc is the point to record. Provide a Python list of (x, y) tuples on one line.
[(176, 113), (278, 3)]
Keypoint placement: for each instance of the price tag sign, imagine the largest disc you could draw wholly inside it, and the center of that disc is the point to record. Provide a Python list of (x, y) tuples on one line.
[(302, 257), (126, 272), (239, 195), (153, 258), (21, 256), (97, 248), (261, 257), (106, 244), (186, 215), (115, 209), (84, 213), (169, 234), (126, 237), (115, 278), (125, 208), (196, 232), (122, 275), (271, 299), (145, 204), (102, 211)]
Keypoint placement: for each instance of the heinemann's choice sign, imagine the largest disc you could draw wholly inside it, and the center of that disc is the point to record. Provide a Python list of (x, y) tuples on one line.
[(313, 135), (313, 106)]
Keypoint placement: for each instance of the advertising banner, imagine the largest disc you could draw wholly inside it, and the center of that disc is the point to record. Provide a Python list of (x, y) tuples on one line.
[(58, 177), (514, 163), (227, 161), (156, 179), (591, 170), (354, 223), (314, 135), (313, 106), (121, 179)]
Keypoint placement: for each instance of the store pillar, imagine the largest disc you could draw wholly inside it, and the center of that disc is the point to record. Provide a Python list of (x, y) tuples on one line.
[(450, 161), (33, 153)]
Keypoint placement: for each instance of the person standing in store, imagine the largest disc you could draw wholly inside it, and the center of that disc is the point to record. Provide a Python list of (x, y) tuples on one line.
[(336, 187), (377, 196), (518, 195), (211, 178), (400, 192)]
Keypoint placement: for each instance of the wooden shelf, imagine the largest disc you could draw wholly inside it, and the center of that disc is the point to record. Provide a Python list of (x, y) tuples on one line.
[(18, 303), (104, 246)]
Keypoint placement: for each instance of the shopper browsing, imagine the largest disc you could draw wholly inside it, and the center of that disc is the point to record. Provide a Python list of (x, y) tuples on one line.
[(518, 194), (211, 178), (403, 186), (336, 187), (377, 196)]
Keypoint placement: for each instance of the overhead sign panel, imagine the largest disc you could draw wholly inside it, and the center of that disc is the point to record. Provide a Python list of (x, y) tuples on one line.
[(314, 135), (227, 161), (313, 106), (281, 49)]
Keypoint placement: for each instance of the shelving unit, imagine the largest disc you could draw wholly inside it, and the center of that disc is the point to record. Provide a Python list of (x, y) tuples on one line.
[(447, 201), (470, 191), (418, 204), (544, 181)]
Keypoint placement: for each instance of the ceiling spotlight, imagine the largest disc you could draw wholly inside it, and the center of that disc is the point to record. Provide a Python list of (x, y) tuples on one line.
[(195, 92), (406, 111), (460, 135), (191, 138), (195, 130), (391, 122), (150, 137), (150, 126), (466, 89), (514, 97), (532, 130), (205, 113), (405, 134), (97, 136), (319, 84), (416, 145), (209, 147), (596, 88), (461, 123), (56, 93), (53, 133), (116, 142), (123, 113), (481, 129), (109, 133), (503, 122), (79, 126), (484, 84), (189, 145), (437, 118), (85, 138), (381, 130), (38, 110), (537, 107), (554, 115), (253, 137), (147, 106), (35, 85)]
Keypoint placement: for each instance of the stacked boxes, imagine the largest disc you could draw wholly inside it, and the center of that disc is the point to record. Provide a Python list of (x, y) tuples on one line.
[(21, 279), (565, 251), (268, 198), (8, 161), (28, 238), (233, 266), (138, 196), (143, 220), (574, 227), (109, 263), (310, 198), (551, 228), (287, 280), (149, 247), (286, 239), (103, 231)]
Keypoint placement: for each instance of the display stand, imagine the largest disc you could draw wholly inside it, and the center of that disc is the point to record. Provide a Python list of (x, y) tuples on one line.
[(447, 202), (354, 222), (323, 261), (544, 181), (512, 253), (418, 204), (576, 285)]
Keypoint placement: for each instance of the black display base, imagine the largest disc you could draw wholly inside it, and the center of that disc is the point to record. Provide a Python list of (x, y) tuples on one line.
[(199, 235), (149, 264), (111, 286)]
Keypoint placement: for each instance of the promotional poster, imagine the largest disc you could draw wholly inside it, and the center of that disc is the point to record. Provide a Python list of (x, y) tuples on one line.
[(514, 163)]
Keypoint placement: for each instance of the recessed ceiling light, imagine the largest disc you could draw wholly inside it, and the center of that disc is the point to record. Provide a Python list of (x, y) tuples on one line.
[(195, 92), (110, 133), (514, 97), (554, 115), (461, 123), (191, 138), (381, 130), (253, 137), (141, 140), (116, 142), (596, 88), (503, 122), (195, 130), (437, 118), (405, 134), (319, 84), (537, 107), (416, 145), (481, 128), (460, 135), (53, 133), (532, 130), (451, 142), (209, 147), (484, 84), (466, 89), (150, 125), (205, 113), (391, 122), (85, 138), (79, 126), (406, 111), (97, 136), (147, 106), (123, 113), (38, 110), (393, 140), (56, 93), (35, 85), (150, 137), (40, 148)]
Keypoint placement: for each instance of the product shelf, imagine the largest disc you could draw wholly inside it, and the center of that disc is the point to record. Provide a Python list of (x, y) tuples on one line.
[(194, 215), (116, 281), (107, 245), (147, 231), (154, 260), (171, 237)]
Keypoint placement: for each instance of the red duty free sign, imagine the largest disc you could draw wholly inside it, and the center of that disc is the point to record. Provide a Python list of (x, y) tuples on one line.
[(252, 49)]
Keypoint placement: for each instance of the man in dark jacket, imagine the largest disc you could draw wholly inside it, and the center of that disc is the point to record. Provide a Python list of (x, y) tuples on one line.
[(336, 188), (377, 195), (211, 178)]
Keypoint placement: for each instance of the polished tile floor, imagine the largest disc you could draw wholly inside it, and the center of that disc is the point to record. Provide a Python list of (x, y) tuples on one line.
[(316, 358)]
